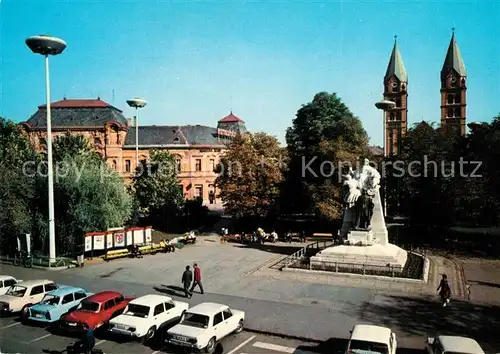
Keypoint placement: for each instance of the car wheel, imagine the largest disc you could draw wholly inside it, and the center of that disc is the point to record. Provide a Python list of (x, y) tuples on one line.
[(239, 328), (25, 312), (211, 345)]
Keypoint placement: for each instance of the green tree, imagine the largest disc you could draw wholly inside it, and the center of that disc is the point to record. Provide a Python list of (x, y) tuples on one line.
[(71, 145), (156, 188), (324, 136), (16, 193), (250, 175)]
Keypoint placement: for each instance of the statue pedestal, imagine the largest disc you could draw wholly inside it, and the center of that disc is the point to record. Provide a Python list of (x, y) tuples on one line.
[(368, 249)]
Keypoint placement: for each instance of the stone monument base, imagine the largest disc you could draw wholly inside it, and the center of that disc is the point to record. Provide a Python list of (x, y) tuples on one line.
[(364, 255)]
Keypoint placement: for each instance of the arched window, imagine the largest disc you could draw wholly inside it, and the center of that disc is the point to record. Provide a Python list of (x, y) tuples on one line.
[(453, 82), (451, 99), (450, 112), (392, 116)]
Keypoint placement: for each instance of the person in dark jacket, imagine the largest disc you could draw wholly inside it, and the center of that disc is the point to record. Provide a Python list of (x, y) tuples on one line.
[(197, 278), (187, 279), (444, 290)]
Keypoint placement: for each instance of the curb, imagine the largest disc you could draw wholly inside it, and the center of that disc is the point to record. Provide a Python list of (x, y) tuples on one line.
[(281, 335)]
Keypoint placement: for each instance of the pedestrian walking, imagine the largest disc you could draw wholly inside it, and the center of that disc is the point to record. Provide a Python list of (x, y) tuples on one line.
[(444, 290), (187, 279), (89, 341), (197, 278)]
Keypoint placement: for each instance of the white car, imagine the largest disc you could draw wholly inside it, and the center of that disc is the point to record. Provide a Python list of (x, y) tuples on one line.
[(145, 315), (452, 344), (6, 281), (21, 296), (204, 325), (369, 338)]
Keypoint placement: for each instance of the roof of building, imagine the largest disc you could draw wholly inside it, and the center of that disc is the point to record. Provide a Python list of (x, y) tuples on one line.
[(151, 299), (376, 150), (453, 59), (207, 308), (77, 113), (231, 118), (460, 345), (371, 333), (65, 290), (396, 67), (103, 296), (158, 135)]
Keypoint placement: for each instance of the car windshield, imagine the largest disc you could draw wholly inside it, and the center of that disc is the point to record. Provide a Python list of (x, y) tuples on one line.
[(50, 300), (196, 320), (363, 347), (16, 290), (89, 306), (137, 310)]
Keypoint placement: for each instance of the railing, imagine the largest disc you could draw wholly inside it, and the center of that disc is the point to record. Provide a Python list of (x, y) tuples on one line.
[(303, 253), (42, 261)]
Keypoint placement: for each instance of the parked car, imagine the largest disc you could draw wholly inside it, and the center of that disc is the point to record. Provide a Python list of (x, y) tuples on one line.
[(21, 296), (95, 311), (204, 325), (6, 281), (452, 344), (369, 338), (57, 303), (147, 314)]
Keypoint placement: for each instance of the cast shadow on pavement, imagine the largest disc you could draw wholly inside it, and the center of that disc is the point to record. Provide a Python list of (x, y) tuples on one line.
[(283, 249), (484, 283), (409, 316)]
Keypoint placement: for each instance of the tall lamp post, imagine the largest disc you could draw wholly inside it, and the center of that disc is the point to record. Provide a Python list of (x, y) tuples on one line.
[(47, 45), (385, 106), (137, 103)]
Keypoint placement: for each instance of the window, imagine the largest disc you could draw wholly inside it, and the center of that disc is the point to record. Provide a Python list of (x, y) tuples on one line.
[(451, 99), (218, 319), (127, 165), (169, 306), (198, 191), (227, 314), (178, 164), (50, 287), (395, 87), (196, 320), (114, 164), (211, 197), (137, 311), (1, 284), (392, 116), (450, 112), (67, 298), (97, 141), (365, 346), (9, 282), (212, 165), (109, 304), (181, 187), (80, 295), (37, 290), (119, 299), (398, 102), (198, 165), (453, 82), (89, 306), (457, 112), (158, 309)]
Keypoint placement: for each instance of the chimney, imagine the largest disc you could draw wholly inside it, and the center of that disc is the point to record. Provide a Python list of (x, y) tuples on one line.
[(129, 120)]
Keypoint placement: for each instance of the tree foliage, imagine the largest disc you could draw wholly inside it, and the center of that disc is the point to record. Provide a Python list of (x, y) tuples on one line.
[(17, 188), (250, 175), (156, 187), (445, 179), (324, 137)]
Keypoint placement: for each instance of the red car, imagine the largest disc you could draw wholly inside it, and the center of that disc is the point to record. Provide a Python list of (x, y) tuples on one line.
[(95, 311)]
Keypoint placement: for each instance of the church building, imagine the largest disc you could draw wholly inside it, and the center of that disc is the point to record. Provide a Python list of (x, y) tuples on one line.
[(453, 95)]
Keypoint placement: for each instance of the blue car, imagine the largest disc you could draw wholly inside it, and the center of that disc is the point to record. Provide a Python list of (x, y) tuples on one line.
[(57, 303)]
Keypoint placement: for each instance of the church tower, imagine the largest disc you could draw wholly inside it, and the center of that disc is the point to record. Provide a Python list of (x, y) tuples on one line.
[(453, 90), (396, 90)]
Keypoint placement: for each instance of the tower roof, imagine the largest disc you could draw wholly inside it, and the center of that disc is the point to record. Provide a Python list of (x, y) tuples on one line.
[(396, 66), (453, 59), (231, 118)]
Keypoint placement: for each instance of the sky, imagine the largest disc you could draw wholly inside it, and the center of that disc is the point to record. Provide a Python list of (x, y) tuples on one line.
[(194, 61)]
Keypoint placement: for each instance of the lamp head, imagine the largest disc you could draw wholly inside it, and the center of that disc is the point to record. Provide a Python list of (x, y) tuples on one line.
[(137, 102), (385, 105), (46, 45)]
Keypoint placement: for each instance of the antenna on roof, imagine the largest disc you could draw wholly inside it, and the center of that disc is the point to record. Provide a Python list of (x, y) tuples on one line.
[(98, 96), (231, 104)]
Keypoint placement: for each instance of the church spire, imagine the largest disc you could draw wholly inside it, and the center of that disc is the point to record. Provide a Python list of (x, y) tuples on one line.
[(453, 60), (396, 67)]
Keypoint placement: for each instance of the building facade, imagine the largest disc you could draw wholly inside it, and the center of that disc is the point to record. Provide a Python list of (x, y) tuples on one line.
[(453, 95), (197, 149)]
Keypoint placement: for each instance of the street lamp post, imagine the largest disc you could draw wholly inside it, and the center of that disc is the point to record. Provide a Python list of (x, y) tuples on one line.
[(137, 103), (385, 106), (47, 45)]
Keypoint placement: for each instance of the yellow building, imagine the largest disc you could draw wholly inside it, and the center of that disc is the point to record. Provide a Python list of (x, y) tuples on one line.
[(196, 148)]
